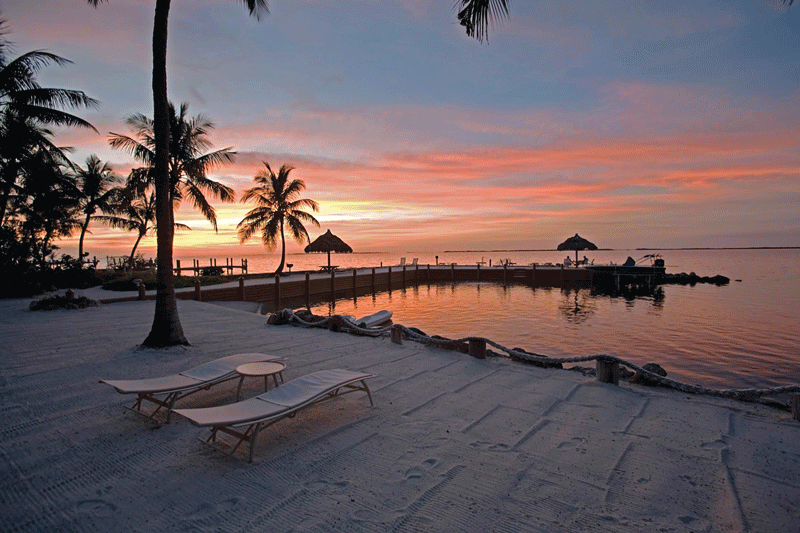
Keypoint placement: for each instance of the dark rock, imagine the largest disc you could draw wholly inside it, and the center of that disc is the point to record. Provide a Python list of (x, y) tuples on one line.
[(641, 379), (625, 373), (586, 371)]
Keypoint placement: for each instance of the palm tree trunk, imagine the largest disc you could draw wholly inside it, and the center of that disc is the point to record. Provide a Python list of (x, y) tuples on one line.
[(135, 245), (84, 227), (283, 251), (166, 329)]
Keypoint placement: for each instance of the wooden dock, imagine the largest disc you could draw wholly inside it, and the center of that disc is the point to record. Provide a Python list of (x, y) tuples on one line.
[(212, 269), (308, 288)]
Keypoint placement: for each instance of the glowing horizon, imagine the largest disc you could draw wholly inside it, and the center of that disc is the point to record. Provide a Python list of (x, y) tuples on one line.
[(680, 132)]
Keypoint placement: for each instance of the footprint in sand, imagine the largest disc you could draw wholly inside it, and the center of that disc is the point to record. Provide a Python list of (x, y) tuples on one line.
[(714, 445), (570, 444), (418, 472), (209, 509), (321, 484), (489, 446), (100, 508)]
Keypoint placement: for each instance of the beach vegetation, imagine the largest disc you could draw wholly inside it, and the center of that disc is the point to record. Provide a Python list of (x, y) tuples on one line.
[(67, 301), (39, 197), (135, 211), (125, 281), (100, 189), (188, 165), (278, 207), (26, 111)]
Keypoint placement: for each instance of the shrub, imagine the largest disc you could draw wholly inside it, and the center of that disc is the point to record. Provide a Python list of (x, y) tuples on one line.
[(62, 302)]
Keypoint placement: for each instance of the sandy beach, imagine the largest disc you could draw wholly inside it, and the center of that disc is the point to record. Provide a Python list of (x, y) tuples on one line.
[(452, 444)]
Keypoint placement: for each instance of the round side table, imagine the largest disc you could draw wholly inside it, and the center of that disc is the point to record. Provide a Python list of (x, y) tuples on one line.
[(265, 369)]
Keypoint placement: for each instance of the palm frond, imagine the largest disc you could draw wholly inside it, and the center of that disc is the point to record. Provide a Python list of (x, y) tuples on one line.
[(47, 115), (139, 151), (49, 97), (199, 202), (477, 15), (257, 8)]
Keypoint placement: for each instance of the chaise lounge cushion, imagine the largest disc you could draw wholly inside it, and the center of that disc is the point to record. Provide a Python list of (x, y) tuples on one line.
[(280, 401)]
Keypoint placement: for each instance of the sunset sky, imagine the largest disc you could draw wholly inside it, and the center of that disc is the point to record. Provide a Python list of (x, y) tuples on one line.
[(635, 124)]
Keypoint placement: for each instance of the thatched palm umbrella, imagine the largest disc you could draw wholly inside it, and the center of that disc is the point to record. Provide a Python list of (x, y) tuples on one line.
[(576, 243), (328, 242)]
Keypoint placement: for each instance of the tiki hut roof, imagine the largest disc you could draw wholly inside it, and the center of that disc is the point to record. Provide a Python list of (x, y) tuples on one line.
[(328, 242)]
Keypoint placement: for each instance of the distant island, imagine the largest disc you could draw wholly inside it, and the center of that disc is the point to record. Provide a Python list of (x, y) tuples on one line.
[(647, 248)]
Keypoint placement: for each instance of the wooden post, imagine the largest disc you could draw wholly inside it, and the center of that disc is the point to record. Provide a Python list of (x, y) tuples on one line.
[(477, 348), (533, 275), (244, 266), (373, 280), (428, 275), (397, 334), (478, 274), (197, 295), (505, 274), (390, 280), (416, 275), (277, 292), (562, 277), (178, 265), (355, 274), (796, 407), (452, 271), (404, 277), (608, 371), (241, 289), (141, 291), (308, 290)]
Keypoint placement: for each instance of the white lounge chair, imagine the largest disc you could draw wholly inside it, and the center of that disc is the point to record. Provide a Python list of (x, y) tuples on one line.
[(180, 385), (285, 401)]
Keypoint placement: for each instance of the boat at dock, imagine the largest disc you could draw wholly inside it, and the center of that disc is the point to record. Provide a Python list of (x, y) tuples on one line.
[(648, 270)]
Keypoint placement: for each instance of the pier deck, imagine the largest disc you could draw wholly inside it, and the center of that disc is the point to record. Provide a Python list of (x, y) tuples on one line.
[(309, 287)]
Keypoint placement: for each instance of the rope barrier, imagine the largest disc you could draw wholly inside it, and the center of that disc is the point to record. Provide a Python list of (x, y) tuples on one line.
[(734, 394)]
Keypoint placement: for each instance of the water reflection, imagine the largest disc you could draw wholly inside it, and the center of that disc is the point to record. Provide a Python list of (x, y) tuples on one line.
[(577, 305)]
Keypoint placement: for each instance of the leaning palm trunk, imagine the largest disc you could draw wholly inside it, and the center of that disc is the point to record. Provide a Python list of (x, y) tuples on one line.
[(84, 227), (133, 251), (166, 329), (283, 251)]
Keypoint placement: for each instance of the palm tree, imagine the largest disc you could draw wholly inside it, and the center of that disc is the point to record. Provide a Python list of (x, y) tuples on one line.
[(137, 214), (47, 204), (278, 206), (167, 329), (187, 164), (477, 15), (96, 183), (26, 107)]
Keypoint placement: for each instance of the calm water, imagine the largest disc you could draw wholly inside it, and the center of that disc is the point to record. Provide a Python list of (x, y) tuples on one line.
[(744, 334)]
